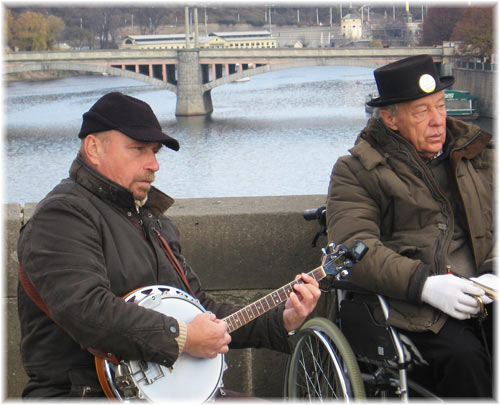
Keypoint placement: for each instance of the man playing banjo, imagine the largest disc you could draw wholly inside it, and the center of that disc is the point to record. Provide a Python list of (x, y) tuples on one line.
[(101, 234)]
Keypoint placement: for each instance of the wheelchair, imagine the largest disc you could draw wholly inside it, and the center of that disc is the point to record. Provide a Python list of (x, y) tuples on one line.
[(346, 355)]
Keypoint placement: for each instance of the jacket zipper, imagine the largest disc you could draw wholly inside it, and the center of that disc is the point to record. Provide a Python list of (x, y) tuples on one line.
[(452, 151), (471, 140), (419, 166)]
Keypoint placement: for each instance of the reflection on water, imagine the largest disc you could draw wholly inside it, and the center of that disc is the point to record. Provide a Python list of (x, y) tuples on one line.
[(277, 134)]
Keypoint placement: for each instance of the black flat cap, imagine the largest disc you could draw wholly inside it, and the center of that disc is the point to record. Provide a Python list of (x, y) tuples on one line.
[(126, 114)]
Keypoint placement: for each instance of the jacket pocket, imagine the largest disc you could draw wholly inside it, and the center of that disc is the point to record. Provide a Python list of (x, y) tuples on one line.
[(84, 384), (408, 251)]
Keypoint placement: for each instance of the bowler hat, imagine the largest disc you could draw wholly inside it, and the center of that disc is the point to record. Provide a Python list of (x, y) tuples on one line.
[(408, 79), (129, 115)]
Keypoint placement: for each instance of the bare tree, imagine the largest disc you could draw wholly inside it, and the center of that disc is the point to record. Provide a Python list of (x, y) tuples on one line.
[(475, 32), (439, 23), (150, 18)]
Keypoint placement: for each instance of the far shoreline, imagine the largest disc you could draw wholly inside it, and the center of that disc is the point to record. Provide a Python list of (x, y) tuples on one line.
[(42, 75)]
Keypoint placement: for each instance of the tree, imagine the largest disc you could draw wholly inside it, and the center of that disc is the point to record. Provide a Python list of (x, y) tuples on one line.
[(254, 17), (55, 26), (150, 18), (439, 23), (9, 22), (30, 32), (78, 37), (101, 23), (474, 32)]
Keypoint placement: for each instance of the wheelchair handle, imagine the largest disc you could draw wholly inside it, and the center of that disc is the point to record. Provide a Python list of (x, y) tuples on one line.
[(316, 213), (320, 215)]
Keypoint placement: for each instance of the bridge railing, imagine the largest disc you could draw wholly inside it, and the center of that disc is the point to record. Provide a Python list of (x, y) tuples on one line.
[(474, 65)]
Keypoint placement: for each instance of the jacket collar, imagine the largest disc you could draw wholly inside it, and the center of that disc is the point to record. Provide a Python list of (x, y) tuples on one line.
[(108, 190), (468, 138)]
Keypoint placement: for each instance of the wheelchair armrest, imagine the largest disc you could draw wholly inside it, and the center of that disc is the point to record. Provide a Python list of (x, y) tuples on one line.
[(384, 305), (347, 285)]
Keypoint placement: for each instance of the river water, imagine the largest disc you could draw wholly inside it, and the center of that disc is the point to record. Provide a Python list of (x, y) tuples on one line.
[(277, 134)]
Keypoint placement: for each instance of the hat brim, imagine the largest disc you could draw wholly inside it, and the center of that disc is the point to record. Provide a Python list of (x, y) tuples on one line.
[(444, 82), (94, 122), (149, 134)]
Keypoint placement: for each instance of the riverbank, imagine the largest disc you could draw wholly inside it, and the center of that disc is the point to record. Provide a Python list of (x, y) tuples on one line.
[(41, 75)]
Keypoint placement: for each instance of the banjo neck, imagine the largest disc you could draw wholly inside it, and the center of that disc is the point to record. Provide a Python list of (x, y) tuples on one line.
[(138, 379), (250, 312)]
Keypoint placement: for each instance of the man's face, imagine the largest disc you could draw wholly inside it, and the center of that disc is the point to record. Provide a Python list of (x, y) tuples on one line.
[(130, 163), (422, 122)]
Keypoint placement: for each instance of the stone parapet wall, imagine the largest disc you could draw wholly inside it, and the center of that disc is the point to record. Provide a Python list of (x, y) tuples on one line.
[(242, 248), (479, 83)]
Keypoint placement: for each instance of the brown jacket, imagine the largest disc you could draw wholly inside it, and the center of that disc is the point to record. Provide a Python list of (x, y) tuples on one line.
[(385, 195), (84, 248)]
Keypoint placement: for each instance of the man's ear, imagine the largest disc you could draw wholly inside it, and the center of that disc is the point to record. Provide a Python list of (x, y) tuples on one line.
[(389, 119), (93, 149)]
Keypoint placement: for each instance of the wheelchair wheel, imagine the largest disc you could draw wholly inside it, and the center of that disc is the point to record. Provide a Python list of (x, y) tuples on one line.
[(323, 365)]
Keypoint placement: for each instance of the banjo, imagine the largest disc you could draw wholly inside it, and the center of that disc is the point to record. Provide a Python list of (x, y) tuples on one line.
[(152, 382)]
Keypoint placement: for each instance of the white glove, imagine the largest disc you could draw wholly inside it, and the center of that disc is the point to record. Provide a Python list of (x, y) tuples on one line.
[(488, 280), (452, 295)]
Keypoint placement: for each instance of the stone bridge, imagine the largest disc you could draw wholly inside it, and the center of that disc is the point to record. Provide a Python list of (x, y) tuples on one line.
[(193, 73)]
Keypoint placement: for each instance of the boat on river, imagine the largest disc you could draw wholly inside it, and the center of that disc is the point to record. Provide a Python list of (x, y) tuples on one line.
[(459, 104), (369, 97)]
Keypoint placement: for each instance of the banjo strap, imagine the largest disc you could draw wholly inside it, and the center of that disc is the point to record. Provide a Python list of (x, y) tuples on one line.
[(32, 293), (170, 255)]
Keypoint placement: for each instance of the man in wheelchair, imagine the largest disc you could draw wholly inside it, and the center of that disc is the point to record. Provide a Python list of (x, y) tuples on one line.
[(417, 189)]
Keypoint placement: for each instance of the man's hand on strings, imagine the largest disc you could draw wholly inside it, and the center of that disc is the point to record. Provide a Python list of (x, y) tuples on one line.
[(301, 302)]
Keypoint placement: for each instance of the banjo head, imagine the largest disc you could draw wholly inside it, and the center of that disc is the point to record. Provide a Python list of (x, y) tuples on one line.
[(190, 378)]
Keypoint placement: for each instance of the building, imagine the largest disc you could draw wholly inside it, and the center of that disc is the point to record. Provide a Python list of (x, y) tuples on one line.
[(242, 39), (232, 40), (413, 29), (352, 27), (168, 41)]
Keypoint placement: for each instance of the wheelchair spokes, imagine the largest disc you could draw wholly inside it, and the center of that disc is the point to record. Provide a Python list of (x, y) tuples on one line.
[(317, 360), (322, 365)]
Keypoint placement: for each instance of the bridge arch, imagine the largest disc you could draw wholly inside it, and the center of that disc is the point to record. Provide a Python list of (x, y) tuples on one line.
[(271, 67), (84, 67)]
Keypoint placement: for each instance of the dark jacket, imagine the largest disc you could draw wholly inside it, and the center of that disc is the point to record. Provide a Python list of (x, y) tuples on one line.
[(84, 248), (385, 195)]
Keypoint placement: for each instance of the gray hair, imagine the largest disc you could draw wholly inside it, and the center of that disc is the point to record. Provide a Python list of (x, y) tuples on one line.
[(104, 136), (392, 109)]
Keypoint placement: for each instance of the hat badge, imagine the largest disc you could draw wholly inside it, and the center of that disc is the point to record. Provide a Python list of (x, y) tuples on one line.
[(427, 83)]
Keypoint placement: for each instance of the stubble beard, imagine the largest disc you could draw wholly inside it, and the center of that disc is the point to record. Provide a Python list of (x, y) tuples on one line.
[(142, 190)]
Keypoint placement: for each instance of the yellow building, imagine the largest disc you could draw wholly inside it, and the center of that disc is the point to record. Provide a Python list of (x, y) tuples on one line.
[(232, 40), (351, 27), (242, 39)]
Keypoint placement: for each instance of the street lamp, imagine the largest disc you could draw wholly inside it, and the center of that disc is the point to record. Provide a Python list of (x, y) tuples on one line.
[(270, 21), (362, 12)]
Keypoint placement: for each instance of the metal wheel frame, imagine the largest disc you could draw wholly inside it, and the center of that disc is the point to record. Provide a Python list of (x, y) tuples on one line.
[(323, 365)]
